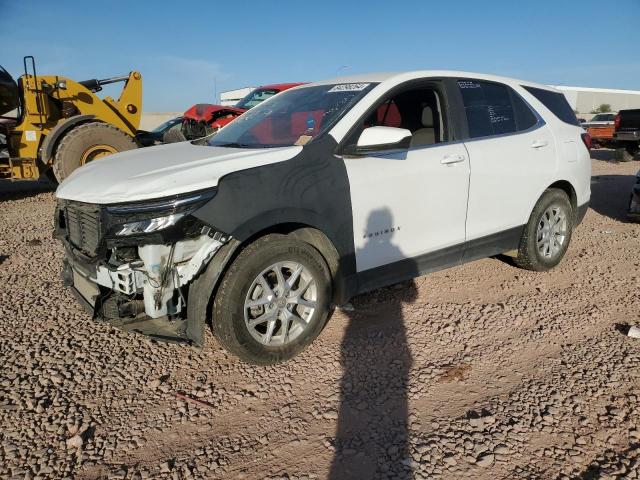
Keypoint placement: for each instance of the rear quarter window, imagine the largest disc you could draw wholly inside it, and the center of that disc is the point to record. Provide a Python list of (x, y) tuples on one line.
[(556, 102)]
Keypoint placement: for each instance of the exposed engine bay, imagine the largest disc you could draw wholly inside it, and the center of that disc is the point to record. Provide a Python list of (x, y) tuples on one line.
[(130, 265)]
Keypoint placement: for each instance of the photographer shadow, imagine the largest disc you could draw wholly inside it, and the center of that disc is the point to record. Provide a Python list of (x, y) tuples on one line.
[(372, 437)]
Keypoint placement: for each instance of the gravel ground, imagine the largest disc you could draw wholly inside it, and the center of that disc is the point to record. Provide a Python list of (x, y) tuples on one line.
[(483, 371)]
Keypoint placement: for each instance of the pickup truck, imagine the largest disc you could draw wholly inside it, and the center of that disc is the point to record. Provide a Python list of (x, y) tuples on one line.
[(601, 128), (627, 134)]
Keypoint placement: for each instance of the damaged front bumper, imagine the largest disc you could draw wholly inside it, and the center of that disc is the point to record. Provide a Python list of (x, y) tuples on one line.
[(147, 295), (132, 264)]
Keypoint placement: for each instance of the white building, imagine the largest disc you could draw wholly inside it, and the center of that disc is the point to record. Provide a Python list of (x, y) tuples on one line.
[(582, 99), (585, 100), (231, 97)]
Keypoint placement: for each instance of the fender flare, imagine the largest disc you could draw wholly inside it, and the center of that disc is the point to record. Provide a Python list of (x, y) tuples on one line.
[(51, 140), (201, 292)]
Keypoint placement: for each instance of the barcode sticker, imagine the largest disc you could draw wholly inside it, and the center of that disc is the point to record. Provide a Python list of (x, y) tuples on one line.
[(349, 87)]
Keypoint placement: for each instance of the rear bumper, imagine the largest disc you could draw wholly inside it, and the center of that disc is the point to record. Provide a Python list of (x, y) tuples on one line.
[(627, 136)]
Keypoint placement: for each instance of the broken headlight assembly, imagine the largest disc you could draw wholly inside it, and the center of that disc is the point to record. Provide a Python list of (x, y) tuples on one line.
[(154, 248), (148, 217), (150, 225)]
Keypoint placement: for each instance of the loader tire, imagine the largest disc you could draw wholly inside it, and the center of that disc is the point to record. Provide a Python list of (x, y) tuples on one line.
[(173, 135), (88, 142)]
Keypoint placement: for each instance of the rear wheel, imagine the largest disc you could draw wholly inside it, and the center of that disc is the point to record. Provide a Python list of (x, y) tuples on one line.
[(86, 143), (546, 236), (273, 301)]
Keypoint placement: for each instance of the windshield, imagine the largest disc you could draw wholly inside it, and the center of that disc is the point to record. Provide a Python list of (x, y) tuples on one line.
[(606, 117), (256, 97), (166, 125), (294, 117)]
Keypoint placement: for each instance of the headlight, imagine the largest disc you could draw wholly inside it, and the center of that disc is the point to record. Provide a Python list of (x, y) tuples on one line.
[(139, 218), (149, 226)]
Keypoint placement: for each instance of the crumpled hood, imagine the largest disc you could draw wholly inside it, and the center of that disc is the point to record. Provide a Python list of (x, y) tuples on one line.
[(162, 171), (204, 111)]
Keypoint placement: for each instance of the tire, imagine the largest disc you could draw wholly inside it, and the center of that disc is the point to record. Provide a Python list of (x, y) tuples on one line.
[(173, 135), (87, 142), (624, 154), (240, 284), (546, 255)]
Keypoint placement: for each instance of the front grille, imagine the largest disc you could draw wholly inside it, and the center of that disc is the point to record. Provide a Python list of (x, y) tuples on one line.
[(82, 223)]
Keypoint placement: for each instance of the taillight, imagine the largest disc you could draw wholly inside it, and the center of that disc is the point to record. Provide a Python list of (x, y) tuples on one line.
[(586, 138), (616, 122)]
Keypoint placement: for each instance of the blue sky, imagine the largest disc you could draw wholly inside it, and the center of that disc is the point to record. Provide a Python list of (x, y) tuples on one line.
[(181, 47)]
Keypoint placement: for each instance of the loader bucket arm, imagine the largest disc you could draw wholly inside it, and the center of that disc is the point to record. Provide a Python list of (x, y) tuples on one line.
[(129, 104), (9, 93)]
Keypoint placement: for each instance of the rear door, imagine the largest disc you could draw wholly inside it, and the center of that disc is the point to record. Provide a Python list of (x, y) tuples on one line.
[(512, 158)]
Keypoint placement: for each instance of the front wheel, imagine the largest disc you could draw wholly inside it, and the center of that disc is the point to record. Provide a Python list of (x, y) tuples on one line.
[(547, 234), (273, 301)]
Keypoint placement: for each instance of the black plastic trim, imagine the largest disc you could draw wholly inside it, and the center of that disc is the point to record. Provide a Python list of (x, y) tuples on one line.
[(84, 303), (409, 268), (581, 212)]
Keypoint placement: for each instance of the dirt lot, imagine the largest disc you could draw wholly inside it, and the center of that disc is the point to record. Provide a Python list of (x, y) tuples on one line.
[(482, 371)]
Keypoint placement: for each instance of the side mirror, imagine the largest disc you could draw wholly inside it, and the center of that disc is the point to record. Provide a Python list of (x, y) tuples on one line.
[(377, 139)]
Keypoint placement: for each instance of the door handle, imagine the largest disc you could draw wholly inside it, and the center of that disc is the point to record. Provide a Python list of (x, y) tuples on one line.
[(539, 143), (449, 159)]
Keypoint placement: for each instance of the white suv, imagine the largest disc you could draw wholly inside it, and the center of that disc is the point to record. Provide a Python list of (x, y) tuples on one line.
[(320, 193)]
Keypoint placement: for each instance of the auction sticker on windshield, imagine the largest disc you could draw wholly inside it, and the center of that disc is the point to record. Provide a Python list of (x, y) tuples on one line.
[(349, 87)]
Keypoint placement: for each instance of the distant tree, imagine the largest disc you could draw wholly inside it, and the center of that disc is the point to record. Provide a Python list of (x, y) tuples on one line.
[(604, 108)]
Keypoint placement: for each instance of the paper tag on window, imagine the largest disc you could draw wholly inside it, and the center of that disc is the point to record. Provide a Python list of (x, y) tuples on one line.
[(349, 87), (303, 140), (30, 136)]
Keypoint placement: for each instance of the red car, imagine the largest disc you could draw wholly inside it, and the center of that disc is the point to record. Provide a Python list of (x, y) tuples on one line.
[(204, 118)]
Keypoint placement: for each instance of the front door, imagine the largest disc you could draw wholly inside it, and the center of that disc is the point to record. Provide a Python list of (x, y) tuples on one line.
[(412, 203)]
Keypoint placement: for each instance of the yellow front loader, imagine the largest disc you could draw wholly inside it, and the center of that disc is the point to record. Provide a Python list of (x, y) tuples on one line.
[(53, 125)]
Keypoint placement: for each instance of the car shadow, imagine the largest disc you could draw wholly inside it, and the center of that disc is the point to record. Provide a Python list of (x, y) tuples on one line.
[(610, 195), (372, 436), (605, 155), (19, 189)]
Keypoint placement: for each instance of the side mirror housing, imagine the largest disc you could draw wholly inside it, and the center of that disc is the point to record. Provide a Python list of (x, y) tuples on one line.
[(379, 139)]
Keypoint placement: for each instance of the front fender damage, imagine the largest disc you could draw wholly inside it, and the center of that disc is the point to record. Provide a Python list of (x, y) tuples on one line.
[(202, 289)]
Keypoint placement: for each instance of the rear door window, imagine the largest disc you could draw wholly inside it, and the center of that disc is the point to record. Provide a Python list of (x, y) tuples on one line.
[(556, 102), (494, 109)]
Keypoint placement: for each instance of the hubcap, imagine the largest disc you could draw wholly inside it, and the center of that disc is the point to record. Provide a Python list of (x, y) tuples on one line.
[(552, 231), (280, 303), (95, 152)]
